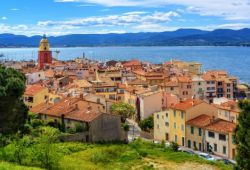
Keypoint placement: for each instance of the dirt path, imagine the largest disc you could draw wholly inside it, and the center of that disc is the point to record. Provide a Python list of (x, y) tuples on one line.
[(168, 165)]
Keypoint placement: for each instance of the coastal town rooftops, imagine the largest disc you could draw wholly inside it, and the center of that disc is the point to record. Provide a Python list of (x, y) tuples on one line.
[(32, 90), (131, 63), (71, 108), (200, 121), (187, 104), (183, 79), (221, 126), (230, 105)]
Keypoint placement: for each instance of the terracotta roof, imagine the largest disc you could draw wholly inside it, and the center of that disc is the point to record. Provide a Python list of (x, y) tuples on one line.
[(184, 79), (200, 121), (71, 108), (49, 73), (131, 63), (221, 126), (170, 84), (83, 115), (33, 89), (187, 104)]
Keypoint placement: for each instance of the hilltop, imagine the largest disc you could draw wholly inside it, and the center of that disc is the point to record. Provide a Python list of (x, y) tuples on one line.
[(181, 37)]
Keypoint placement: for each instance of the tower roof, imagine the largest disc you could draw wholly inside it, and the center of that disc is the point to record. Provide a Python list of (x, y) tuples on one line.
[(44, 44)]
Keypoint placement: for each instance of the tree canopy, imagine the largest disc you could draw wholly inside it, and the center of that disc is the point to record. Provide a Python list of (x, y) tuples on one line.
[(13, 112), (147, 124), (243, 136), (123, 109)]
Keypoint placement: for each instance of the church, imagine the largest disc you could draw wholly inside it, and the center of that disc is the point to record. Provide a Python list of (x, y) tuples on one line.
[(44, 53)]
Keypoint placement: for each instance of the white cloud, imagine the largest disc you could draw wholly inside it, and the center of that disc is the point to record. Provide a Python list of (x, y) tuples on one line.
[(14, 9), (4, 18), (125, 19), (228, 9)]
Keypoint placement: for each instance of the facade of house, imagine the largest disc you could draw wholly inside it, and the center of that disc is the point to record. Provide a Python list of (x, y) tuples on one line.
[(219, 138), (195, 132), (182, 112), (161, 126), (35, 95)]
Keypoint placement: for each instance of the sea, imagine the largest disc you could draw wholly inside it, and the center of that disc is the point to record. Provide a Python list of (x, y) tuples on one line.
[(235, 60)]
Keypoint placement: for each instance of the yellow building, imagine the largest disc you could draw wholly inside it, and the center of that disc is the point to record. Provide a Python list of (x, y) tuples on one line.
[(35, 95), (161, 126), (195, 132), (192, 67), (182, 112)]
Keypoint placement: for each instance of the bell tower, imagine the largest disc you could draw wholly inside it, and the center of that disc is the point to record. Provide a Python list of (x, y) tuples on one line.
[(44, 53)]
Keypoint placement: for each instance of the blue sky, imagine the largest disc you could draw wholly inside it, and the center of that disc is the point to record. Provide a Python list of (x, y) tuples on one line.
[(59, 17)]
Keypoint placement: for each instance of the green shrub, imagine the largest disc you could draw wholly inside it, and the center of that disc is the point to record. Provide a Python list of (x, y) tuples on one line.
[(125, 127), (79, 127), (174, 146)]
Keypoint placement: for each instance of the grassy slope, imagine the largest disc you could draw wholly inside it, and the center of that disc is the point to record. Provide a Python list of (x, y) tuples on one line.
[(10, 166), (138, 155)]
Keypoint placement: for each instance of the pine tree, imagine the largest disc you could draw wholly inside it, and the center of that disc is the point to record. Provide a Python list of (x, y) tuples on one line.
[(13, 112), (243, 136)]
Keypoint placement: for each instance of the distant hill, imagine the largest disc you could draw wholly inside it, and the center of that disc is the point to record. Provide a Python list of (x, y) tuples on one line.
[(181, 37)]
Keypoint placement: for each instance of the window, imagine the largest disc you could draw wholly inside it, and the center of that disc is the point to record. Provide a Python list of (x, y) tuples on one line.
[(182, 128), (194, 143), (200, 131), (222, 137), (182, 115), (199, 83), (157, 116), (189, 144), (166, 114), (211, 134), (228, 85), (192, 130), (215, 147), (183, 141), (171, 88), (162, 117), (158, 126), (233, 139), (199, 146), (175, 138), (174, 113), (219, 83), (166, 124), (224, 150), (174, 125), (228, 96), (226, 113)]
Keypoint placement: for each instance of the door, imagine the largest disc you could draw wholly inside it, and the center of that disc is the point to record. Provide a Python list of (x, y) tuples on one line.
[(167, 137)]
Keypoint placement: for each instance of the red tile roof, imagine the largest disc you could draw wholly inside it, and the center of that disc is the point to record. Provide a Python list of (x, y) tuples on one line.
[(187, 104), (184, 79), (71, 108), (221, 126), (131, 63), (200, 121), (33, 89)]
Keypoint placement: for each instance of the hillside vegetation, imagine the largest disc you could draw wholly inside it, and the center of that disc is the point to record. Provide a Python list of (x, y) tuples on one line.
[(136, 155)]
